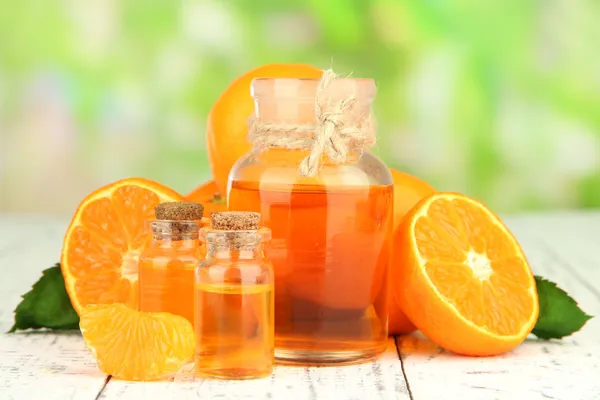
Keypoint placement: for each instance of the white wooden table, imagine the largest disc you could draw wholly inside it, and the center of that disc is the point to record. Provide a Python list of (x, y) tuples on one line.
[(563, 247)]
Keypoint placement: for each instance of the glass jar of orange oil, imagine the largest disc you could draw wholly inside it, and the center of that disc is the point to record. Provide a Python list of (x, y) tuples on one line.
[(168, 262), (328, 202)]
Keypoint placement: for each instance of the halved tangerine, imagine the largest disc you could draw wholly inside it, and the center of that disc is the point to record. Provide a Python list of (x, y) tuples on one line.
[(465, 282), (99, 259)]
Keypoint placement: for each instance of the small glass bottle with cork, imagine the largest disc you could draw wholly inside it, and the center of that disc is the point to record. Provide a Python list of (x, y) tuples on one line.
[(234, 316), (167, 264)]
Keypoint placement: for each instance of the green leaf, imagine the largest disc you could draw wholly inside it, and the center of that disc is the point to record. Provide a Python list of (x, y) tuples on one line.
[(46, 305), (560, 315)]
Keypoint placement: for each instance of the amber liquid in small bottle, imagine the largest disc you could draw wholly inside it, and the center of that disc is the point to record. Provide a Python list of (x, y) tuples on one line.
[(166, 274), (235, 333), (234, 306), (330, 251)]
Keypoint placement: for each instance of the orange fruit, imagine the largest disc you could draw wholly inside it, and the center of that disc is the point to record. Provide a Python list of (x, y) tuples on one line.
[(208, 195), (135, 345), (465, 282), (398, 322), (101, 248), (408, 191), (227, 126)]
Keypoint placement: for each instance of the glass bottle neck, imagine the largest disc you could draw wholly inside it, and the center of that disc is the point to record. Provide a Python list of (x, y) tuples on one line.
[(175, 234), (292, 101), (220, 252), (166, 241)]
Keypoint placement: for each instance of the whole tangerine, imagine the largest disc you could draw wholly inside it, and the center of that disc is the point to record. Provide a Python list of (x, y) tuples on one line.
[(227, 125), (208, 195), (408, 191)]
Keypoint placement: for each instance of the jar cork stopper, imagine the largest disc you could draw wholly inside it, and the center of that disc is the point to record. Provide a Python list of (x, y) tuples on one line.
[(235, 221), (179, 211)]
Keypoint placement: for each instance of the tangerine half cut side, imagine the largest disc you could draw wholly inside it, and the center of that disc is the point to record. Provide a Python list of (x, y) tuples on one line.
[(104, 240), (466, 283)]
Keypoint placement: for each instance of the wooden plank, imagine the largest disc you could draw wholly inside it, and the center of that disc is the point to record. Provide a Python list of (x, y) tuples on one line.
[(38, 365), (27, 247), (566, 255), (572, 237), (535, 370), (566, 369), (42, 363), (561, 247), (47, 366), (381, 379)]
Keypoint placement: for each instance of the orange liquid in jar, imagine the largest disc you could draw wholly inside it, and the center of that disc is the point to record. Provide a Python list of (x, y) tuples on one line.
[(330, 250), (166, 279), (234, 330)]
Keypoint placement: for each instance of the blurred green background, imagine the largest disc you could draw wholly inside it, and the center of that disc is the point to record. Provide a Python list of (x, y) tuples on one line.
[(499, 100)]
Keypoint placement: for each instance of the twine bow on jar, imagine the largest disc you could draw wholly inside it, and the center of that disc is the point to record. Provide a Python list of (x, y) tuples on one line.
[(342, 128)]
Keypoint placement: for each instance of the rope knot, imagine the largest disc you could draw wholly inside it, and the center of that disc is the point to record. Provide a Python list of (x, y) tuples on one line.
[(343, 127)]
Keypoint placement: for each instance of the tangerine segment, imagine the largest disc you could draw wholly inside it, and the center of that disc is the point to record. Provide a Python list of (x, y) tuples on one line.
[(466, 282), (135, 345), (100, 219), (105, 238), (434, 244), (134, 205)]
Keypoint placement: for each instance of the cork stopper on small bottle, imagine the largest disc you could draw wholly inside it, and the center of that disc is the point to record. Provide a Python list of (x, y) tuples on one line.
[(179, 211), (235, 221), (177, 220)]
